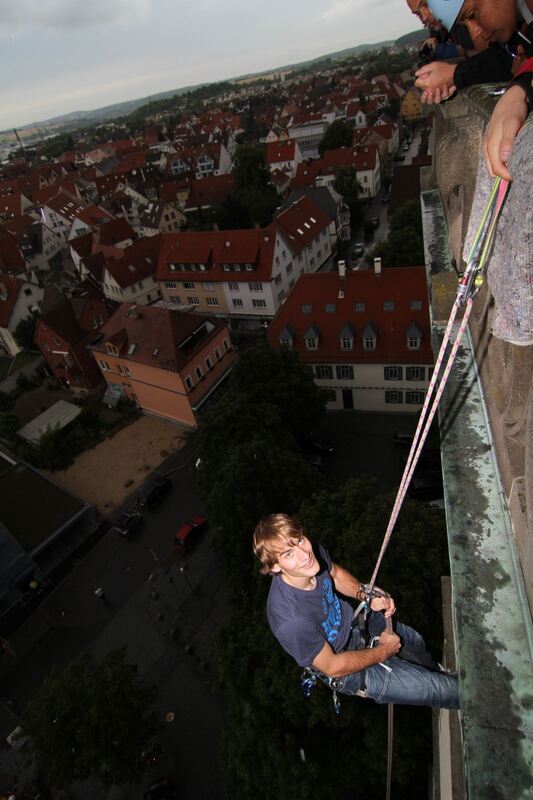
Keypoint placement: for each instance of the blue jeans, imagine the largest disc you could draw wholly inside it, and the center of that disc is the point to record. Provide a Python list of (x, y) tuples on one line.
[(400, 681)]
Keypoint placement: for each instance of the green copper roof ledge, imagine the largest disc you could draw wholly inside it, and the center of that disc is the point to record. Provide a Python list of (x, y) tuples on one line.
[(492, 621)]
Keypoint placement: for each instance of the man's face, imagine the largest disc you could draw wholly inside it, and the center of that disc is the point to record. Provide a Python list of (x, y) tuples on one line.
[(297, 560), (489, 20), (420, 9)]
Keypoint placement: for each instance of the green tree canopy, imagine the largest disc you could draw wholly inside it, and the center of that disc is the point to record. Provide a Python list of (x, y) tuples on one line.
[(9, 423), (344, 754), (404, 246), (279, 377), (254, 197), (90, 720), (346, 184), (25, 332), (339, 134)]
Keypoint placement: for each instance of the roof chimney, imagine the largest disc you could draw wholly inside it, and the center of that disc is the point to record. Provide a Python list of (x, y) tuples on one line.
[(377, 266), (342, 268)]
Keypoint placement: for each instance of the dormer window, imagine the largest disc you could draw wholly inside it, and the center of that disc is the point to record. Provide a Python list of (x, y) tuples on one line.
[(346, 337), (286, 336), (370, 337), (311, 337), (414, 337)]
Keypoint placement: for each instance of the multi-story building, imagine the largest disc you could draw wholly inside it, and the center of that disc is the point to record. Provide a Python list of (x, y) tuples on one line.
[(62, 335), (131, 278), (366, 335), (19, 299), (168, 362), (244, 274)]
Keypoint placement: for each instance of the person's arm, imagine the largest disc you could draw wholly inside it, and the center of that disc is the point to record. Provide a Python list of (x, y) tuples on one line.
[(510, 113), (349, 586), (337, 665)]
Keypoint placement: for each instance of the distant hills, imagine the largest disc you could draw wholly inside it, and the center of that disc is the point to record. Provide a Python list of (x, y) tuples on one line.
[(122, 109)]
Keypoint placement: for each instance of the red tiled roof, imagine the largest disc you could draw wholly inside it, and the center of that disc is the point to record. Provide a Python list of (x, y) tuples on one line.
[(66, 205), (116, 230), (138, 261), (399, 285), (210, 191), (94, 216), (11, 205), (11, 259), (214, 249), (277, 152), (159, 335), (302, 222)]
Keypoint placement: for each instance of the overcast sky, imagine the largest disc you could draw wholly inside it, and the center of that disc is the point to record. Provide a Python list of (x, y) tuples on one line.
[(68, 55)]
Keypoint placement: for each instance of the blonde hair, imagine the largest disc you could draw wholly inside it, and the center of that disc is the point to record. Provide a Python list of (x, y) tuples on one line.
[(273, 535)]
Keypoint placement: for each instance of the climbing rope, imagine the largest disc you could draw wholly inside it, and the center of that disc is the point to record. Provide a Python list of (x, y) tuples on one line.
[(469, 285)]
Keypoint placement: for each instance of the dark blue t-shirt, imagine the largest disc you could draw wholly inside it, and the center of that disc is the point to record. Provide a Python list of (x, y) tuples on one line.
[(303, 620)]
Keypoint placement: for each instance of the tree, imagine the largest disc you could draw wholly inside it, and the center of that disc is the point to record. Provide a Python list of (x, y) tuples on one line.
[(279, 377), (404, 246), (346, 184), (253, 193), (339, 134), (90, 720), (25, 332), (261, 682), (9, 423)]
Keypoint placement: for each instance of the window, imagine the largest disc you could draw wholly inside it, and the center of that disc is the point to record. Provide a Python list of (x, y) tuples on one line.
[(415, 373), (104, 365), (311, 343), (233, 286), (306, 308), (346, 343), (413, 342), (193, 301), (344, 372), (393, 373), (208, 286), (217, 354), (256, 287), (27, 291), (414, 398), (289, 268), (212, 301), (324, 372), (208, 364), (226, 345), (170, 284), (369, 343), (415, 305), (330, 308), (277, 280), (259, 303), (188, 382), (291, 283), (175, 298), (359, 307), (199, 373), (393, 396), (237, 303), (188, 285), (388, 305)]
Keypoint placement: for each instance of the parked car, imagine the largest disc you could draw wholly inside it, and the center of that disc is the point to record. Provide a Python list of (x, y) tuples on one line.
[(160, 790), (375, 222), (155, 490), (315, 461), (403, 439), (128, 521), (385, 198), (358, 249), (189, 531), (318, 446), (406, 146)]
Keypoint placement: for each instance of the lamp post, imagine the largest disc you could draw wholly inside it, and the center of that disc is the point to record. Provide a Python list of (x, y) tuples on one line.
[(183, 571)]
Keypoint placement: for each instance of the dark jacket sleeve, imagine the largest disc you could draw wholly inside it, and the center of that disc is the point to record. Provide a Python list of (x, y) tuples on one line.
[(491, 66)]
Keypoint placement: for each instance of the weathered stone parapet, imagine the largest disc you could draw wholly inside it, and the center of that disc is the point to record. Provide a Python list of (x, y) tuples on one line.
[(506, 370)]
